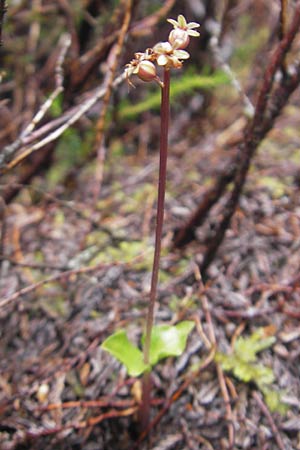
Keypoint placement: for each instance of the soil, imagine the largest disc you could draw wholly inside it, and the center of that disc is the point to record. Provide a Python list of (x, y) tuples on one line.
[(60, 390)]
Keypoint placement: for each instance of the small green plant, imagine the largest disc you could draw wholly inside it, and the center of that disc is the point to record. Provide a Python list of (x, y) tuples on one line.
[(158, 341), (243, 364)]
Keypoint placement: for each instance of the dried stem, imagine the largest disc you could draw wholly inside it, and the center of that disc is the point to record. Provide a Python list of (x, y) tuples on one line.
[(283, 18), (113, 64), (64, 44), (2, 13), (269, 417), (269, 105), (268, 108)]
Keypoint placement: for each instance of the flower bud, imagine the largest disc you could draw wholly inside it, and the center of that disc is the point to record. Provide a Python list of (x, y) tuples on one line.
[(179, 38), (146, 71)]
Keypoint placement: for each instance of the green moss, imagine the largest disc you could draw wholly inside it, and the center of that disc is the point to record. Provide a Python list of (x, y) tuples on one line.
[(277, 187), (251, 42), (295, 157), (71, 150), (243, 364), (56, 107), (184, 85), (56, 306), (134, 202), (127, 252)]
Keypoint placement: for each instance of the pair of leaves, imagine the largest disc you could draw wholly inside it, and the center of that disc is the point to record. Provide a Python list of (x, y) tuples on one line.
[(166, 340)]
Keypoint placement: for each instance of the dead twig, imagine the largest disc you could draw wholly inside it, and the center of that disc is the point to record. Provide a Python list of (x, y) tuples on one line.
[(103, 403), (63, 275), (186, 233), (78, 113), (213, 343), (11, 149), (3, 9), (269, 105), (144, 26), (214, 44), (268, 108), (229, 414), (269, 418), (91, 422), (113, 62)]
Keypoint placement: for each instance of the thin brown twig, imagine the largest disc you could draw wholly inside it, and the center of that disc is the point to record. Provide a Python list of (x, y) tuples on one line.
[(2, 14), (145, 25), (91, 422), (33, 141), (268, 108), (104, 403), (189, 380), (71, 25), (66, 274), (3, 224), (80, 210), (30, 265), (186, 233), (229, 414), (12, 148), (79, 112), (213, 344), (113, 62), (214, 44), (283, 18), (269, 418), (275, 62)]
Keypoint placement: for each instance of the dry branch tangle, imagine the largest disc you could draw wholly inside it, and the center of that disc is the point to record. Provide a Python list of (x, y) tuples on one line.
[(269, 106)]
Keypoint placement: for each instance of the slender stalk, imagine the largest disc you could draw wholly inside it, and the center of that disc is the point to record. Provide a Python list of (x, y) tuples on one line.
[(164, 127)]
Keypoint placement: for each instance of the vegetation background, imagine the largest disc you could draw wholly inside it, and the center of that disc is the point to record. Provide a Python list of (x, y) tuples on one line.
[(78, 164)]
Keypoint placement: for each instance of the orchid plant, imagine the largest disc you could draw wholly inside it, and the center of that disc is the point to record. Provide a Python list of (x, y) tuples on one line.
[(158, 341)]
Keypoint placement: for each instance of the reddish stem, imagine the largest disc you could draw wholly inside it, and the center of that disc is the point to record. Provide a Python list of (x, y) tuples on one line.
[(164, 126)]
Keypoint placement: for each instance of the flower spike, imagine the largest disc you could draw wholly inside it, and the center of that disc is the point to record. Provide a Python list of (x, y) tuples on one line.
[(166, 54)]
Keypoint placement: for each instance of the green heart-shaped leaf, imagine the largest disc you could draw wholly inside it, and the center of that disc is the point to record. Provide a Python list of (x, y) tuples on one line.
[(128, 354), (168, 340)]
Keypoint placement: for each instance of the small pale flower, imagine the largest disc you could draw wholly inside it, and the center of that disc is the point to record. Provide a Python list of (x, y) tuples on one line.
[(146, 71), (182, 24), (179, 38), (142, 67), (168, 56)]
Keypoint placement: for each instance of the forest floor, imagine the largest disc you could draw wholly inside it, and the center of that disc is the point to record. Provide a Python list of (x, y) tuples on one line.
[(77, 270)]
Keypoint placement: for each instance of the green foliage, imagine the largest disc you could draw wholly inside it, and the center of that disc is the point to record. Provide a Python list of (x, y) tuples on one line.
[(166, 340), (57, 307), (56, 108), (274, 400), (169, 340), (124, 351), (247, 348), (126, 252), (183, 304), (295, 157), (137, 200), (243, 364), (70, 151), (186, 84), (276, 186), (250, 43)]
